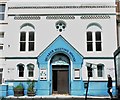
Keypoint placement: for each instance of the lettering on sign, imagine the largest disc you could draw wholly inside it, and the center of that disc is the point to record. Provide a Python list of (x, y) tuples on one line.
[(60, 50)]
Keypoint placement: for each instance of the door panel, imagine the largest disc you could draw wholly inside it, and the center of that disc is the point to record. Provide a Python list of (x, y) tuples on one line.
[(62, 82), (60, 79)]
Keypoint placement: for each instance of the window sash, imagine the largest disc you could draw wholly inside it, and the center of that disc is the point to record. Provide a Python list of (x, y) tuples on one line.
[(1, 34), (31, 36), (30, 73), (2, 11), (1, 46), (22, 46), (89, 36), (100, 71), (89, 46), (21, 70), (98, 36), (31, 46), (2, 7), (23, 36), (21, 73), (98, 46), (2, 16)]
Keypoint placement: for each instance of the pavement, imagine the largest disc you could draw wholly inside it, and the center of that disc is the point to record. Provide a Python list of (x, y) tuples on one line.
[(58, 97)]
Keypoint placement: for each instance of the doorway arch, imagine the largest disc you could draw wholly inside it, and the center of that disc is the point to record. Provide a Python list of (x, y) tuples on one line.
[(60, 70)]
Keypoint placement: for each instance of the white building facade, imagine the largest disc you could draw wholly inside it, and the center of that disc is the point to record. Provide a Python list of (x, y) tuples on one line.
[(51, 41)]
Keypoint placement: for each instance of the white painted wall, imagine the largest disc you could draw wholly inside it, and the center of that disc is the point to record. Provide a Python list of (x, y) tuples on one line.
[(46, 33)]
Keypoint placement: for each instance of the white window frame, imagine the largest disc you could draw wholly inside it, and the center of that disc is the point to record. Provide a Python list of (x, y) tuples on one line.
[(27, 29), (94, 29)]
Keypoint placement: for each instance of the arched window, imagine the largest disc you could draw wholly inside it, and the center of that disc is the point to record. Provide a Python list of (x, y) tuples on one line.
[(100, 70), (30, 68), (21, 70), (93, 37), (27, 37)]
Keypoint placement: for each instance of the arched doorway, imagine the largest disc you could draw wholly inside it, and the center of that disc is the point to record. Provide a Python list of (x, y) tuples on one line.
[(60, 64)]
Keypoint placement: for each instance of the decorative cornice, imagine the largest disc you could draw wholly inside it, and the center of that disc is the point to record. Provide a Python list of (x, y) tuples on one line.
[(70, 15), (95, 17), (60, 17), (29, 17), (59, 7)]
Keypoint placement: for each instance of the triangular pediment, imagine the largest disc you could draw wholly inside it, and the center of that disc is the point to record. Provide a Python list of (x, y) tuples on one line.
[(60, 45)]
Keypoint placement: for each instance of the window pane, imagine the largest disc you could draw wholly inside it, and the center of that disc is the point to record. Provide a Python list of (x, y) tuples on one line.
[(23, 36), (98, 46), (21, 74), (21, 70), (1, 69), (1, 46), (89, 36), (31, 36), (1, 16), (22, 46), (100, 71), (89, 46), (30, 73), (1, 34), (2, 7), (98, 36), (31, 46)]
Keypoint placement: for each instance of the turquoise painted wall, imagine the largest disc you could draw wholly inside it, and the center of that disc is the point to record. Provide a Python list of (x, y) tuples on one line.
[(3, 91), (59, 45), (77, 88)]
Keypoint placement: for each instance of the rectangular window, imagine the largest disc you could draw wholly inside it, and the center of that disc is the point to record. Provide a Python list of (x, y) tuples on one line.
[(1, 34), (89, 41), (100, 70), (1, 46), (98, 41), (1, 70), (2, 11), (22, 41), (31, 41)]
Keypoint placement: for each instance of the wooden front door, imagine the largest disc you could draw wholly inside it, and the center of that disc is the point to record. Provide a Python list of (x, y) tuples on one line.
[(60, 80)]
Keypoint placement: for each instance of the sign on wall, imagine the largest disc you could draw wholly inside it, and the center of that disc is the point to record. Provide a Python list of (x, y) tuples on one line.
[(43, 74), (76, 73)]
